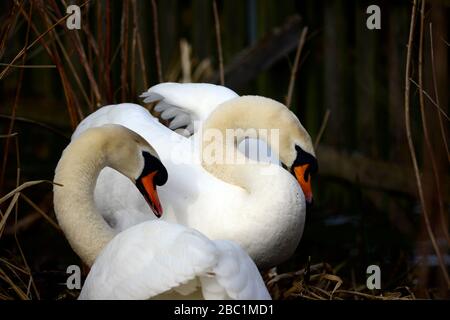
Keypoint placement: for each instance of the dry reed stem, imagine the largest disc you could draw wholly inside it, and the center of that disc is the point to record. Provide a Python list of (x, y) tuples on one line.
[(323, 126), (38, 39), (8, 25), (436, 94), (156, 36), (134, 47), (42, 213), (68, 91), (142, 62), (36, 123), (30, 66), (319, 282), (8, 212), (202, 70), (439, 109), (426, 134), (73, 71), (185, 61), (31, 280), (301, 43), (22, 295), (219, 42), (87, 67), (24, 186), (411, 146), (124, 49), (15, 105), (107, 52), (13, 267), (3, 136), (23, 223)]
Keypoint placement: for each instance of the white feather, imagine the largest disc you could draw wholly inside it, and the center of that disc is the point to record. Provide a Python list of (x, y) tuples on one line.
[(195, 100), (158, 258), (268, 226)]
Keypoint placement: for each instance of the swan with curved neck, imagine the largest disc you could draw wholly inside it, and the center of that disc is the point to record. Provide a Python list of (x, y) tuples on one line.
[(293, 147), (152, 259), (77, 171), (259, 206)]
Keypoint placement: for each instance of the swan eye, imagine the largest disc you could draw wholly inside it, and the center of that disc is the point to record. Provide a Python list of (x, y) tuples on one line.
[(152, 164), (303, 158)]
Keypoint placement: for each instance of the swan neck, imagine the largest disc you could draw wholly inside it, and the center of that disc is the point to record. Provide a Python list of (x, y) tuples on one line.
[(222, 133), (77, 172)]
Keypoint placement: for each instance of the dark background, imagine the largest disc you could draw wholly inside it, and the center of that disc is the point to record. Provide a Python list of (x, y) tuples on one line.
[(350, 81)]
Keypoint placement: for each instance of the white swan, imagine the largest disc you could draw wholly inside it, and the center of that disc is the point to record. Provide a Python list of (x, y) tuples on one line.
[(154, 259), (260, 206)]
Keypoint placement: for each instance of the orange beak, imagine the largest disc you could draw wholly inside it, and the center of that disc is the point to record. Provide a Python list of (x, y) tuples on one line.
[(305, 182), (147, 187)]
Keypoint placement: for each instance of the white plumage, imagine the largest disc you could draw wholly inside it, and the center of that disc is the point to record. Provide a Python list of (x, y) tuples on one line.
[(156, 259), (185, 103), (152, 259), (264, 214)]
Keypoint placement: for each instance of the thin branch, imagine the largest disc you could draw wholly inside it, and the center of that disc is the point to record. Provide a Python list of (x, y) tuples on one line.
[(219, 42), (430, 99), (24, 186), (124, 50), (411, 146), (30, 66), (15, 105), (23, 224), (446, 42), (142, 62), (107, 52), (322, 128), (80, 49), (185, 60), (37, 123), (40, 211), (156, 36), (436, 94), (72, 69), (71, 98), (301, 43), (8, 210), (3, 136), (18, 291), (139, 46), (426, 134), (25, 49), (9, 24), (133, 47)]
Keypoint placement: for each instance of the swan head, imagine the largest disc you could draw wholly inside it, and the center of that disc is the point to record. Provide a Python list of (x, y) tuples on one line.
[(129, 153), (293, 144)]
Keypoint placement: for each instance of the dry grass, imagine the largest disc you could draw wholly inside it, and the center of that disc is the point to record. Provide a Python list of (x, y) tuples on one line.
[(425, 209), (321, 282)]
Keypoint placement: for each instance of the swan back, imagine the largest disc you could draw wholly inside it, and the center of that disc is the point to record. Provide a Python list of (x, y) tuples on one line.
[(156, 259)]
